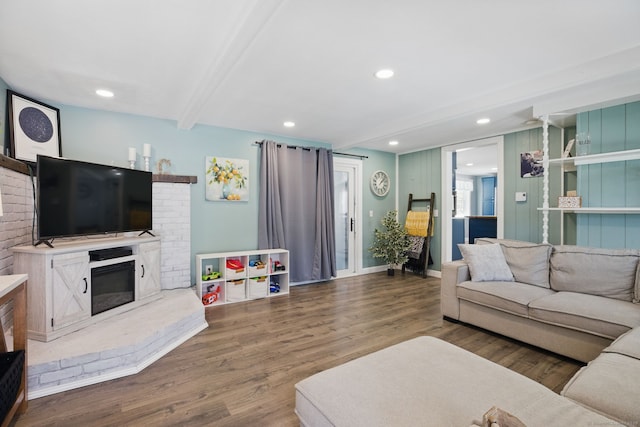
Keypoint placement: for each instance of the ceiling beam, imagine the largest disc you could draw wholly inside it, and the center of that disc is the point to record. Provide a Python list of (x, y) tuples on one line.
[(249, 25)]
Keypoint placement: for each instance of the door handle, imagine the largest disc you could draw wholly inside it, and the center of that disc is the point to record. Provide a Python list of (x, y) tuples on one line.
[(142, 265), (86, 285), (353, 222)]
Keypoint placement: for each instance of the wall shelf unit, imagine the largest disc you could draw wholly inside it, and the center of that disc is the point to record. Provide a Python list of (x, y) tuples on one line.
[(228, 277), (571, 164)]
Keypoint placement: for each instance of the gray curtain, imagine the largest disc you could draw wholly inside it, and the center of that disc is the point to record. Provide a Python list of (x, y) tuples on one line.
[(296, 208)]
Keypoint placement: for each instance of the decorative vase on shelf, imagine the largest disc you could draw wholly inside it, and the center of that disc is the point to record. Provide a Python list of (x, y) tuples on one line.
[(583, 144), (226, 190)]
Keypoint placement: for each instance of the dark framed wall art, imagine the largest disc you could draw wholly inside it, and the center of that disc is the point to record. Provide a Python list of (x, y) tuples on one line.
[(34, 128)]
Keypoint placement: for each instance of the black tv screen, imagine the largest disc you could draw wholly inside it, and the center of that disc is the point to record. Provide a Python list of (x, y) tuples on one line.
[(78, 198)]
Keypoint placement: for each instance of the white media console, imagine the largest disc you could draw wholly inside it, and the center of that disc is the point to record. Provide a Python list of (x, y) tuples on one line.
[(80, 282)]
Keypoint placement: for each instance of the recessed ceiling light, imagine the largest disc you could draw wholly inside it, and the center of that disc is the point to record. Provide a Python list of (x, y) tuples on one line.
[(289, 124), (393, 142), (104, 93), (384, 73), (469, 164), (483, 121)]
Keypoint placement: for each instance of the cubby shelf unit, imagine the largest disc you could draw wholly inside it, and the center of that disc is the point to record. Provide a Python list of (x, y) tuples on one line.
[(260, 269)]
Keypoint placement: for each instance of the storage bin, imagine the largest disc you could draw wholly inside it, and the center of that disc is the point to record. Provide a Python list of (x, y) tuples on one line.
[(236, 290), (11, 366), (259, 270), (569, 202), (258, 287)]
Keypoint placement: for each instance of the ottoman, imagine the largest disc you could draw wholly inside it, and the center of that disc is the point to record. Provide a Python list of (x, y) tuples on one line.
[(428, 382)]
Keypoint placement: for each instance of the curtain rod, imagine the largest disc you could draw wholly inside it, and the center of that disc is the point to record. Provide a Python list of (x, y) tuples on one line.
[(309, 149)]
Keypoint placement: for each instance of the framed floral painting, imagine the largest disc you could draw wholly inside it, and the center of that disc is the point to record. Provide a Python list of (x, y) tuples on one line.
[(227, 179)]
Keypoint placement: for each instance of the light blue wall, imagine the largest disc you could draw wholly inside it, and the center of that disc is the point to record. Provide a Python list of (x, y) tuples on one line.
[(104, 137), (376, 160), (615, 184)]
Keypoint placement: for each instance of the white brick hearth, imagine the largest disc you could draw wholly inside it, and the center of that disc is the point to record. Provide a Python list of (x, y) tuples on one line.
[(119, 346)]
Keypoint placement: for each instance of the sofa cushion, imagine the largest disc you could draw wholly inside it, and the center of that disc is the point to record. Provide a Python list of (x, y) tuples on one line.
[(529, 262), (486, 262), (511, 297), (605, 317), (606, 272), (609, 385), (627, 344)]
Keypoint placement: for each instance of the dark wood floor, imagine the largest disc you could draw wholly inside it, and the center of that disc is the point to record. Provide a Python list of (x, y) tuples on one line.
[(241, 371)]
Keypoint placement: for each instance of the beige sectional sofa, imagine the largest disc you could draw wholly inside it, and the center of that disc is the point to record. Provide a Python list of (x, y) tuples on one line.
[(571, 300), (579, 302)]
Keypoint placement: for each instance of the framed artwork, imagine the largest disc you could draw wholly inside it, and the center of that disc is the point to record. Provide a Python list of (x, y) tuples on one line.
[(227, 179), (531, 164), (34, 128)]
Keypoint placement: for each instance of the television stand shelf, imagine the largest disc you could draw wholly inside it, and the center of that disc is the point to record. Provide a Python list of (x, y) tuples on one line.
[(60, 281), (228, 277)]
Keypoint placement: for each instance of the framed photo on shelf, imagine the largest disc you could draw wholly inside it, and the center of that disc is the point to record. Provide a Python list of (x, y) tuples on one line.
[(34, 128)]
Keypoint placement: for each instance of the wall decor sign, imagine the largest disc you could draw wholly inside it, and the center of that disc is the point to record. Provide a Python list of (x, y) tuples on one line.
[(531, 164), (227, 179), (34, 128)]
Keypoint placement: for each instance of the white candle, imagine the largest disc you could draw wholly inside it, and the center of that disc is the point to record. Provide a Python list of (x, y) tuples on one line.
[(147, 150), (132, 154)]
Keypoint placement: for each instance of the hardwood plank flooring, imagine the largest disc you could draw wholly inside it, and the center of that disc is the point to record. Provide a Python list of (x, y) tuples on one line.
[(241, 371)]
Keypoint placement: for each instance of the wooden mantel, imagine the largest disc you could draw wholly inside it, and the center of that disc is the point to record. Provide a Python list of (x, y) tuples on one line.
[(21, 167)]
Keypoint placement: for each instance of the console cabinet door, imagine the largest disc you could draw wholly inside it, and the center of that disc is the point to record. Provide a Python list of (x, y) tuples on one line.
[(149, 271), (71, 289)]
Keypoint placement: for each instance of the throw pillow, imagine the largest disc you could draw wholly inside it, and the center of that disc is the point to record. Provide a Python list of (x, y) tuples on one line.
[(486, 263), (529, 264)]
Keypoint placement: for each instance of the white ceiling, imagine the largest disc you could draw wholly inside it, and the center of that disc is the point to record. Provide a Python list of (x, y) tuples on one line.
[(252, 64)]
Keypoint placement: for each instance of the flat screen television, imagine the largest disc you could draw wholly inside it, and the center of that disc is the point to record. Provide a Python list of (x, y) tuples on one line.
[(77, 198)]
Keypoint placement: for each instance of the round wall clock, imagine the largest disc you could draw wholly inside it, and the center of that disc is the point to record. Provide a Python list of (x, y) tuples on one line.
[(380, 183)]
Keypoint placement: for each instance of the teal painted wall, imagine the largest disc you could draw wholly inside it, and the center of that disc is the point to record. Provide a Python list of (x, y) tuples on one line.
[(420, 173), (376, 160), (614, 184), (523, 220)]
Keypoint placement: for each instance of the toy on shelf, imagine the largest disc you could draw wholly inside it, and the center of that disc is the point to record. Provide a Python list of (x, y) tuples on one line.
[(277, 266), (211, 276), (256, 263), (235, 264), (274, 288), (212, 295)]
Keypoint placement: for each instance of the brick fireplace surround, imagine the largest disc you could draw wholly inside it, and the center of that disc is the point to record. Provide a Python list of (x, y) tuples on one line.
[(118, 346)]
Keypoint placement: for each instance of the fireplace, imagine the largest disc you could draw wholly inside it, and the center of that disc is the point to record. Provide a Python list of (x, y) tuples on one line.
[(112, 286)]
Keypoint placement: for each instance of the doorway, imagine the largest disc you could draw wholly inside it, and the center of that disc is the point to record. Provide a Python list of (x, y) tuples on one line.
[(454, 220), (347, 179)]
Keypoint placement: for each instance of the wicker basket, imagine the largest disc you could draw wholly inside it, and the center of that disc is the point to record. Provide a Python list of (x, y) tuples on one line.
[(11, 365)]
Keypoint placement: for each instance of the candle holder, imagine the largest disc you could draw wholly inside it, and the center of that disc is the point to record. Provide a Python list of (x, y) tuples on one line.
[(132, 164), (147, 160)]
